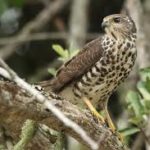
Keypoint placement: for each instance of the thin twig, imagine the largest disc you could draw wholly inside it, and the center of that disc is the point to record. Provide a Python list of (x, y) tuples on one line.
[(144, 135), (138, 142), (42, 36)]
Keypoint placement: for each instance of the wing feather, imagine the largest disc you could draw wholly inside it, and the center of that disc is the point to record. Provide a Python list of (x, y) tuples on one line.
[(75, 67)]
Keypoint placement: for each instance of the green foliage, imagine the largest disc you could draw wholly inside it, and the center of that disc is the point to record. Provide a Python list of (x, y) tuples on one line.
[(52, 71), (16, 3), (129, 131), (139, 103), (135, 107), (28, 130), (3, 6), (63, 54)]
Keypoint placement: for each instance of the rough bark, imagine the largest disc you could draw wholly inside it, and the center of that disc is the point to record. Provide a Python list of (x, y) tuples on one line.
[(16, 106)]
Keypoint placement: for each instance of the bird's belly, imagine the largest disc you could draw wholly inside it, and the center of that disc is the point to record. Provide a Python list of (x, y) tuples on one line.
[(94, 92), (99, 89)]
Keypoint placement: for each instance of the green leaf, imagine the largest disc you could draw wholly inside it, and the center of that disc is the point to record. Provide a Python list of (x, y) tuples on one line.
[(145, 70), (145, 73), (143, 90), (147, 106), (137, 120), (52, 71), (133, 100), (147, 84), (62, 59), (60, 51), (73, 53), (129, 131)]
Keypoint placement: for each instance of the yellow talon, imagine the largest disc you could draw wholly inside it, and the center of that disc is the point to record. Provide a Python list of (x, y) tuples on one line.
[(111, 124), (108, 119), (93, 110)]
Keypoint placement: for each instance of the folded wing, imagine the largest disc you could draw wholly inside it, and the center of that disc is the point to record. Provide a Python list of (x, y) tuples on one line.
[(75, 67)]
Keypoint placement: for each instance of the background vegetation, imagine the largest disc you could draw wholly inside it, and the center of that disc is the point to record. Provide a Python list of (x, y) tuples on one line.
[(35, 49)]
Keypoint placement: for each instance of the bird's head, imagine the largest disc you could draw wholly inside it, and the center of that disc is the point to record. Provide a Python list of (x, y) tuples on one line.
[(119, 26)]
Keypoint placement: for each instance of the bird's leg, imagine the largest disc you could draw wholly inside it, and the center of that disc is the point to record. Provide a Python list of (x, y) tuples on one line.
[(109, 120), (93, 110), (111, 124)]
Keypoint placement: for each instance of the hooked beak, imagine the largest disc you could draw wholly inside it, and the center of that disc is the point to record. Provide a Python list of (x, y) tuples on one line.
[(105, 24)]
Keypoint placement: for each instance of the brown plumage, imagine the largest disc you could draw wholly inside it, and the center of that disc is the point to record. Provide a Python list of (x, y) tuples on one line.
[(100, 66), (76, 66)]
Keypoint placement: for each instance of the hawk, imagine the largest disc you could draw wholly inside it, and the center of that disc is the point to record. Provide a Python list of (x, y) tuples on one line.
[(97, 70)]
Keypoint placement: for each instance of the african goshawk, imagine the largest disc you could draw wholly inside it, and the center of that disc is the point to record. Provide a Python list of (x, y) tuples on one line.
[(97, 70)]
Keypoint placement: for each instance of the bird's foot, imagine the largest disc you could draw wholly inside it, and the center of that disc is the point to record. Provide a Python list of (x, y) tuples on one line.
[(117, 133), (104, 120), (95, 113), (112, 126), (120, 136)]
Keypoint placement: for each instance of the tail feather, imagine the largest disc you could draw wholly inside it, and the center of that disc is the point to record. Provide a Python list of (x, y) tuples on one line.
[(51, 85), (46, 85)]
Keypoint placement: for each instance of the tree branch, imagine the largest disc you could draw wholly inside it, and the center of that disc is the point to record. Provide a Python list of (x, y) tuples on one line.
[(43, 36), (18, 104), (42, 99)]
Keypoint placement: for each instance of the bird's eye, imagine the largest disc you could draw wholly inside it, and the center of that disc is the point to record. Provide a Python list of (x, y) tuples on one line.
[(117, 20)]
